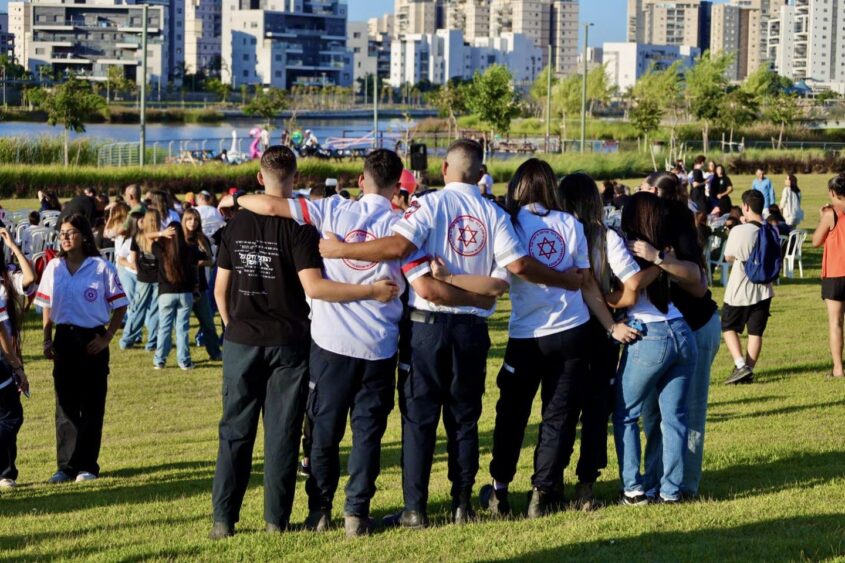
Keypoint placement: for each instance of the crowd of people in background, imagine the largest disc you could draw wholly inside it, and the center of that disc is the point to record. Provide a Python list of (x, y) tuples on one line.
[(329, 303)]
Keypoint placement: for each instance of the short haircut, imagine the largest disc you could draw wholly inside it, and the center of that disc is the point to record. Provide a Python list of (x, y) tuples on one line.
[(384, 167), (754, 200), (34, 218), (134, 190), (321, 190), (700, 159), (762, 168), (472, 153), (837, 185), (279, 161)]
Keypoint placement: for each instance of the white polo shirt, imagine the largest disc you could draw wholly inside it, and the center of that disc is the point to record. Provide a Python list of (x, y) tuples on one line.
[(367, 330), (86, 298), (556, 240), (621, 263), (470, 233)]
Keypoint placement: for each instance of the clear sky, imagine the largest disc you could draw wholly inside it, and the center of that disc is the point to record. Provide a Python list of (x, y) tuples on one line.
[(607, 15)]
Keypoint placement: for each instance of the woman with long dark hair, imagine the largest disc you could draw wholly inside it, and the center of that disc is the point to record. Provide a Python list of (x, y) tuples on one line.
[(660, 362), (177, 283), (547, 345), (192, 229), (13, 380), (79, 293), (690, 294), (790, 202), (619, 278)]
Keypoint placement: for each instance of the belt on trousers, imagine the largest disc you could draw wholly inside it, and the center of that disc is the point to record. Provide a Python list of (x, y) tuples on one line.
[(430, 318), (81, 329)]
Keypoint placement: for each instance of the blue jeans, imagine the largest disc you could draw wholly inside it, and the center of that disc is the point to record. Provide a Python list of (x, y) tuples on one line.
[(144, 312), (128, 280), (707, 339), (202, 310), (661, 362), (174, 308)]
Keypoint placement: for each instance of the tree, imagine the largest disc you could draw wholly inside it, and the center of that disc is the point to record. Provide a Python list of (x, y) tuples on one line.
[(493, 99), (645, 116), (739, 108), (539, 89), (267, 103), (244, 92), (598, 88), (782, 110), (706, 88), (69, 104), (218, 88), (450, 100), (566, 100)]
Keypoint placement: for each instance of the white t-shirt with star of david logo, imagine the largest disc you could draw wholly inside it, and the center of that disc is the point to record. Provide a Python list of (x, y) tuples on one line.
[(555, 239), (367, 330), (470, 233)]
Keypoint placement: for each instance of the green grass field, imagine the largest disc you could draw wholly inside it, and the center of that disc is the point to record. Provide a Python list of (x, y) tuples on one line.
[(773, 486)]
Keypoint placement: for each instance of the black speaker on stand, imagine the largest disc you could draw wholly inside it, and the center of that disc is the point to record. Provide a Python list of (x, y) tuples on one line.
[(419, 157)]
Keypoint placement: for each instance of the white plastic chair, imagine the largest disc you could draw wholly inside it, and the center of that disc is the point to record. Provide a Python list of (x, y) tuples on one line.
[(794, 253), (713, 243), (49, 222)]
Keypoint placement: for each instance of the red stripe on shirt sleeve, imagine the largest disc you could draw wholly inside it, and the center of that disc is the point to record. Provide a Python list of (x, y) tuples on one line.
[(413, 264), (306, 216), (43, 296), (116, 297)]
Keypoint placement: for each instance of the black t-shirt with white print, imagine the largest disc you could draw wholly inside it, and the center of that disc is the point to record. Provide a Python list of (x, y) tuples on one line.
[(267, 304)]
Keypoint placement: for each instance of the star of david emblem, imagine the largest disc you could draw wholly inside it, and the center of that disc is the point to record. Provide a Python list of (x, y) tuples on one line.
[(547, 248), (467, 236)]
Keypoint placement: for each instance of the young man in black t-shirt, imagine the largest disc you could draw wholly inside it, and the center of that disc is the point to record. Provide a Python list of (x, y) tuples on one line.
[(266, 267)]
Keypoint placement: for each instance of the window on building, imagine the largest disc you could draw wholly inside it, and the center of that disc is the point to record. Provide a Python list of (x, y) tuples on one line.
[(246, 56), (39, 51), (252, 40), (278, 58), (246, 74), (278, 74)]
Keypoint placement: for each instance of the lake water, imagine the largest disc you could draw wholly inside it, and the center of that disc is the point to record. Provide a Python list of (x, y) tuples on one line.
[(212, 133)]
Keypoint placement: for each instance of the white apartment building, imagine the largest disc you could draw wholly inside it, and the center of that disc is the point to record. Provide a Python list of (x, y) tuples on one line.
[(472, 16), (364, 61), (740, 28), (662, 22), (86, 40), (285, 42), (625, 63), (203, 36), (808, 41), (416, 17), (441, 56), (381, 25)]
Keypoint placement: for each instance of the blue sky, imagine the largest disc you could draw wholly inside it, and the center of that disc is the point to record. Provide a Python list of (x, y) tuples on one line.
[(607, 15)]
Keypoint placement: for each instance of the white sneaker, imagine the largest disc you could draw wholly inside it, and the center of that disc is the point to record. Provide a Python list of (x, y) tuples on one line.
[(7, 484), (85, 476)]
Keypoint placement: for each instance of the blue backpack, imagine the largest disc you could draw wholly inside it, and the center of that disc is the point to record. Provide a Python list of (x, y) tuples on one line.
[(763, 266)]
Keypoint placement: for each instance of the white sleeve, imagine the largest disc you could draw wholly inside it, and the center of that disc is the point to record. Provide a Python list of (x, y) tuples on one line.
[(416, 265), (44, 294), (306, 212), (416, 224), (115, 296), (506, 245), (732, 245), (4, 313), (622, 264)]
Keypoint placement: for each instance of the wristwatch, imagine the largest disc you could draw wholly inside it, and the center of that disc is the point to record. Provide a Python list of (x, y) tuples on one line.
[(660, 256)]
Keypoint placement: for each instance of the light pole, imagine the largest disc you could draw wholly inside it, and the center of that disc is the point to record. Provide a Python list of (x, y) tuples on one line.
[(584, 90), (549, 101), (143, 101), (375, 110)]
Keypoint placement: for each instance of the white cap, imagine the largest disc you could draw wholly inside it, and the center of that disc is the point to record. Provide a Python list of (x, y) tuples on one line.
[(331, 182)]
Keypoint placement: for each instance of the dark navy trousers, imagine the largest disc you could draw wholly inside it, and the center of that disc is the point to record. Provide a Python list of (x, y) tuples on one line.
[(361, 390), (448, 368)]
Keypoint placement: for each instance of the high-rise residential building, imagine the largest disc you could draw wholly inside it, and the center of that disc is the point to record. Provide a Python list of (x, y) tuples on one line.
[(662, 22), (564, 35), (86, 40), (202, 36), (472, 16), (730, 32), (381, 25), (364, 63), (445, 54), (414, 17), (625, 63), (7, 40), (808, 41), (285, 42)]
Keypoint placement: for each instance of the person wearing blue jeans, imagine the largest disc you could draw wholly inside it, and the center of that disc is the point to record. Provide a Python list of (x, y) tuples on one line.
[(205, 316), (174, 309), (177, 283), (660, 363), (200, 245), (144, 313)]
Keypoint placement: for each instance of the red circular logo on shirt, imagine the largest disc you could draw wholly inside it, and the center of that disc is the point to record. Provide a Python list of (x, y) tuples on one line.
[(90, 295), (467, 235), (359, 236), (546, 246)]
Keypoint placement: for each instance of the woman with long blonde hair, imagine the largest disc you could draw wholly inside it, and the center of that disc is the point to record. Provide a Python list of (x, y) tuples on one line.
[(145, 301), (192, 228)]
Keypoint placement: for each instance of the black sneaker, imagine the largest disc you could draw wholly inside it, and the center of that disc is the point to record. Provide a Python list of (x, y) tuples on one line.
[(221, 530), (739, 375), (410, 519), (584, 500), (495, 501), (304, 470), (542, 503), (638, 499), (357, 526), (462, 512)]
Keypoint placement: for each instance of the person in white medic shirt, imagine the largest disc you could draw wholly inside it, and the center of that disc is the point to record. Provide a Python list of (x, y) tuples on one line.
[(475, 241), (353, 354)]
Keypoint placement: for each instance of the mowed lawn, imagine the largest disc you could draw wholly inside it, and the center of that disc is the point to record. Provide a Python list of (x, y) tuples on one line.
[(773, 486)]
